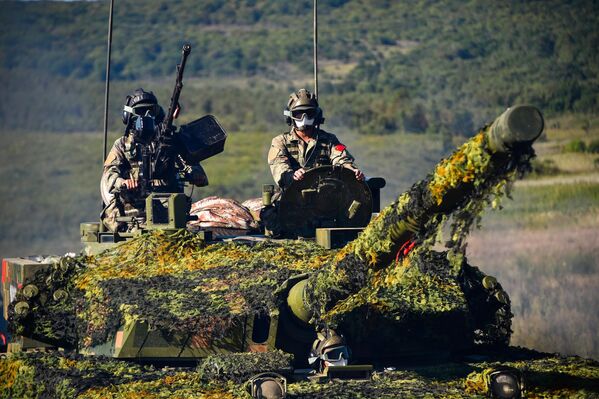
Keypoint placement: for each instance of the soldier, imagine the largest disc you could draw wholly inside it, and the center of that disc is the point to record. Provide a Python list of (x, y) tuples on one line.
[(329, 349), (306, 145), (120, 184)]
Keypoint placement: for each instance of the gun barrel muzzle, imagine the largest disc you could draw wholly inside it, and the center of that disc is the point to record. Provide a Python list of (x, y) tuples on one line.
[(518, 124)]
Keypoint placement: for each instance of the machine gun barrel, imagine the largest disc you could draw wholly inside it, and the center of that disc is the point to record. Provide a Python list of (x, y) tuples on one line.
[(174, 104)]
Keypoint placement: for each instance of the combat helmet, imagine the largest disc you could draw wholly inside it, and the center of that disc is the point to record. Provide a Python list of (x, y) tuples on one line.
[(303, 109), (139, 104), (330, 349)]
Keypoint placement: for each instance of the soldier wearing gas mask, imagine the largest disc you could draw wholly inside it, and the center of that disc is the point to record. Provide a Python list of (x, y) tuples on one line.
[(125, 182), (329, 349), (305, 146)]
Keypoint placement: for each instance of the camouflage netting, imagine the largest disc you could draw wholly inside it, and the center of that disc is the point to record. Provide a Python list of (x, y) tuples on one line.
[(57, 375), (173, 281), (239, 367)]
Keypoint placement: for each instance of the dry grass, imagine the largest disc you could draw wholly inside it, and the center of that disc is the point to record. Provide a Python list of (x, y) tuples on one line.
[(559, 132), (574, 162), (569, 127), (552, 277), (544, 249)]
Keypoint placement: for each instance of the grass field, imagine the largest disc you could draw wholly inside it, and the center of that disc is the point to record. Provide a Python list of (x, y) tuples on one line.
[(543, 246), (544, 249)]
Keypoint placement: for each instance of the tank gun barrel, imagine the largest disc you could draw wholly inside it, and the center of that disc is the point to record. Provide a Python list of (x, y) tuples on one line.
[(464, 180), (518, 125)]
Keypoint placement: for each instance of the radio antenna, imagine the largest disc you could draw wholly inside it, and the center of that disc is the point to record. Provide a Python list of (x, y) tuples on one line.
[(316, 48), (107, 90)]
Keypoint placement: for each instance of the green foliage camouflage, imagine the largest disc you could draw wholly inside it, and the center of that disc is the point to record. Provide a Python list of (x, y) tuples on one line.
[(172, 281), (239, 367), (58, 375), (371, 274)]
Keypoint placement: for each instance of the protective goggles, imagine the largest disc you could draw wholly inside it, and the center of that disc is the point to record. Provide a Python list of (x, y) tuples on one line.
[(299, 114), (336, 354), (332, 355), (143, 109)]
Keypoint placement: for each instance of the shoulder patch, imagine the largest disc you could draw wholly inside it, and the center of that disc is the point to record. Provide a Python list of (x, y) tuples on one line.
[(273, 153), (340, 147)]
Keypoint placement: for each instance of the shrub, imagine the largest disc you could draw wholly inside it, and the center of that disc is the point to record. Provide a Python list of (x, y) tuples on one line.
[(593, 146), (546, 167), (575, 146)]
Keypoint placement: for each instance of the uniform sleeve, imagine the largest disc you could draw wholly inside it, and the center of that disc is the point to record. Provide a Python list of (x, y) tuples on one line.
[(340, 155), (280, 165), (114, 165)]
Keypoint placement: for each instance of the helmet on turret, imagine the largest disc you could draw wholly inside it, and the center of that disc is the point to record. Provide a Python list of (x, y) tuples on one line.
[(303, 110), (330, 349)]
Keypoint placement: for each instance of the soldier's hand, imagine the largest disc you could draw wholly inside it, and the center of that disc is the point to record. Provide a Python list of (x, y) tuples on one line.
[(130, 184), (359, 174), (198, 179), (299, 174)]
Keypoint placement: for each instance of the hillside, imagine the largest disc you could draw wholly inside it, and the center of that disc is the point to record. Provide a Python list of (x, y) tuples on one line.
[(443, 67)]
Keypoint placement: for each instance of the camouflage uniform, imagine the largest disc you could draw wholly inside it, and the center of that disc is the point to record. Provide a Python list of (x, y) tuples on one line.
[(289, 153), (124, 162)]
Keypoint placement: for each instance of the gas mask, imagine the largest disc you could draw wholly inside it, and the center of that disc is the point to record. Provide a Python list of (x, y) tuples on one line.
[(302, 118), (145, 129), (337, 356)]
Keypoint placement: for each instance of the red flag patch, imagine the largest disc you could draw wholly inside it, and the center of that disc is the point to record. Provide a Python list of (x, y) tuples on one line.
[(340, 147)]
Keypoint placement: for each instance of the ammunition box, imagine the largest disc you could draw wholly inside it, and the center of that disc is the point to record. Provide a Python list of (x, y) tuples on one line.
[(202, 139)]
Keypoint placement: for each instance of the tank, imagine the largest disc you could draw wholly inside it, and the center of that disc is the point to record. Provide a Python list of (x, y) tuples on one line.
[(253, 308)]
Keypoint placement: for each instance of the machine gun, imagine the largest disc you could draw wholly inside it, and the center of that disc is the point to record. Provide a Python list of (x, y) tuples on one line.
[(190, 144), (174, 107), (167, 155), (160, 153)]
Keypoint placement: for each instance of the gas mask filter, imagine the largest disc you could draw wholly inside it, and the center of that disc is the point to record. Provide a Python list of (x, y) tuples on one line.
[(145, 129)]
